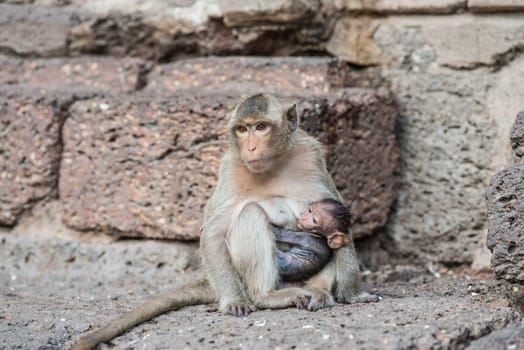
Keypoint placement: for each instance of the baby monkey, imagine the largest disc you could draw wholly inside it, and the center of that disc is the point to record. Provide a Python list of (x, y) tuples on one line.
[(328, 218), (323, 227)]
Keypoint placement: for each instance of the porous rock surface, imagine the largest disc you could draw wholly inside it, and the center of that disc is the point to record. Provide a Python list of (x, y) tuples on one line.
[(244, 75), (30, 151), (78, 76), (140, 168), (35, 98), (517, 136), (505, 197)]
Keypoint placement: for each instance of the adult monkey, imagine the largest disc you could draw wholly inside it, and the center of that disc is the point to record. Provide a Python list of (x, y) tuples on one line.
[(269, 175)]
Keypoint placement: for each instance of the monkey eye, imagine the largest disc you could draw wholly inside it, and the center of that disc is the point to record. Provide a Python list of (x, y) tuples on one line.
[(241, 129), (314, 221), (261, 127)]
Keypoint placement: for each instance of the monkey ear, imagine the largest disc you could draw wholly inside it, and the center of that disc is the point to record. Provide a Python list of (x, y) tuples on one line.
[(337, 240), (292, 117)]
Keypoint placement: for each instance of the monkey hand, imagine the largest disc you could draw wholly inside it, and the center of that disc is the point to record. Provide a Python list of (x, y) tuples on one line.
[(238, 308), (320, 299)]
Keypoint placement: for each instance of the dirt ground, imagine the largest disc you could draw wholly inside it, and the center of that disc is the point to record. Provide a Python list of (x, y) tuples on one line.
[(54, 288)]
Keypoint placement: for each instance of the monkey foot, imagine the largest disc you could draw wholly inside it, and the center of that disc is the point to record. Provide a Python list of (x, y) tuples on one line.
[(302, 301), (320, 300), (240, 309)]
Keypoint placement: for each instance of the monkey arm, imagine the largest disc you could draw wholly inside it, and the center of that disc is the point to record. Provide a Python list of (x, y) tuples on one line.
[(341, 276), (216, 260), (347, 274), (307, 255)]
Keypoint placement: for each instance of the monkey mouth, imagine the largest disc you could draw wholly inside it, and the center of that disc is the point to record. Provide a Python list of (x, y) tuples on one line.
[(259, 165), (256, 162)]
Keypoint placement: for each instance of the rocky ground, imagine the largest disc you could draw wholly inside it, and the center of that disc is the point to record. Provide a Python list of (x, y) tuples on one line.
[(53, 288)]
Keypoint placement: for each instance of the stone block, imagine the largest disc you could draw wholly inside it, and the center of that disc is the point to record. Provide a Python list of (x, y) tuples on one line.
[(153, 29), (165, 30), (88, 74), (247, 75), (358, 129), (517, 136), (145, 167), (446, 140), (34, 30), (483, 40), (505, 197), (495, 5), (29, 152)]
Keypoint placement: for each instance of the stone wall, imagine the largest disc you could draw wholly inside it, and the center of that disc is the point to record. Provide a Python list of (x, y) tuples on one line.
[(505, 197), (454, 68), (131, 148)]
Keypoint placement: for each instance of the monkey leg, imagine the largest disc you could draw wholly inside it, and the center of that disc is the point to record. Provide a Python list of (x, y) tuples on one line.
[(307, 254), (252, 246), (192, 294)]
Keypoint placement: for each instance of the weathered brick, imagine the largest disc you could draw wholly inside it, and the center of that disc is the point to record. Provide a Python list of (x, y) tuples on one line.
[(84, 74), (245, 75), (29, 152)]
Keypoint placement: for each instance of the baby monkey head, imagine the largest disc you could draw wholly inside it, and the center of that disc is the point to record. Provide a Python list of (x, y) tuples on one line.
[(329, 218), (260, 130)]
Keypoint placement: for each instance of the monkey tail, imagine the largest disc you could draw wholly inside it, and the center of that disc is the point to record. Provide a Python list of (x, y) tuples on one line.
[(191, 294)]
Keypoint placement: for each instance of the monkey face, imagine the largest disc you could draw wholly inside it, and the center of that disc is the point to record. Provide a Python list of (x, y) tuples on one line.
[(310, 220), (260, 128), (253, 139), (317, 219)]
